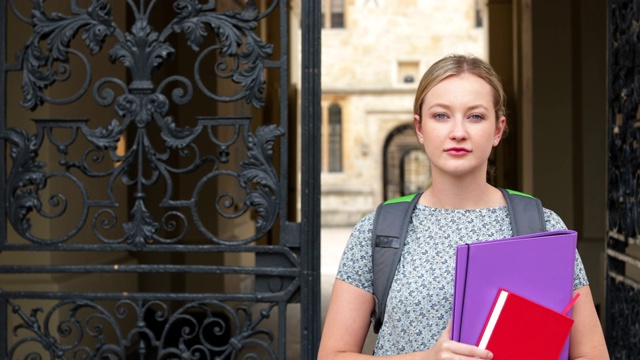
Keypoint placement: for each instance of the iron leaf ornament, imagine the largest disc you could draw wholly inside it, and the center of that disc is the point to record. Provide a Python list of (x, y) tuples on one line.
[(25, 179), (57, 31), (142, 50)]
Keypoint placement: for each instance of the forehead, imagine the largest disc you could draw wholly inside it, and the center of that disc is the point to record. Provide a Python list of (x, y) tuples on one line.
[(463, 87)]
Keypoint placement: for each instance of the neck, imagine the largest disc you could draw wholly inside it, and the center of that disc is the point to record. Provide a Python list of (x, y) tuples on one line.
[(462, 194)]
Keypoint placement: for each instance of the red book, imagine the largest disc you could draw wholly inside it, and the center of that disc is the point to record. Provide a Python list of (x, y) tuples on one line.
[(518, 328)]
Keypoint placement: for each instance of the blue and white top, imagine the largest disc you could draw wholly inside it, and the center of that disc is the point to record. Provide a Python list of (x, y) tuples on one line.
[(421, 296)]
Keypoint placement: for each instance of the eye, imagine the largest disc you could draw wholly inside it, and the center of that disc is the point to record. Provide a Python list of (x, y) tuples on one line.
[(440, 116), (476, 117)]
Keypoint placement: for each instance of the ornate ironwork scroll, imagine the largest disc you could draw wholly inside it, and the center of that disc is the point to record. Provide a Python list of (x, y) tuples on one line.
[(149, 183), (623, 287)]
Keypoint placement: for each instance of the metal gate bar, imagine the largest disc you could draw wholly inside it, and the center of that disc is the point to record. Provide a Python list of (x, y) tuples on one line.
[(181, 324), (623, 210)]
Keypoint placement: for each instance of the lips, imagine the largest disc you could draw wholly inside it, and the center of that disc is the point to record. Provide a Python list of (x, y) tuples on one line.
[(457, 151)]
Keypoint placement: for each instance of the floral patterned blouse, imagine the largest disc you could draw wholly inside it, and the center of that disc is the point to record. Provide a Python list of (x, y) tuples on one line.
[(420, 300)]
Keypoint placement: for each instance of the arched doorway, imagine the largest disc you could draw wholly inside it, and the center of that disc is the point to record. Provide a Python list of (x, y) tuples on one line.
[(405, 165)]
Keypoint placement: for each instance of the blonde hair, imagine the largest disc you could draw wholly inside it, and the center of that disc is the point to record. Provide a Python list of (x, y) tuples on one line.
[(457, 64)]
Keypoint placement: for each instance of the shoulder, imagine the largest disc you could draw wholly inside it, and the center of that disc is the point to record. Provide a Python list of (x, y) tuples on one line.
[(553, 220), (361, 233), (365, 223), (356, 264)]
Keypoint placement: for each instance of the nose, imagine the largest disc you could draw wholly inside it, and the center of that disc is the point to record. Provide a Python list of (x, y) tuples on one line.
[(458, 130)]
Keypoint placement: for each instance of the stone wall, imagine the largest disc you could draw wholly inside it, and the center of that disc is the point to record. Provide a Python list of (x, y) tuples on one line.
[(364, 66)]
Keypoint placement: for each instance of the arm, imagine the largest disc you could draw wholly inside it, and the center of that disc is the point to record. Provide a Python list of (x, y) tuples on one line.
[(347, 324), (587, 339)]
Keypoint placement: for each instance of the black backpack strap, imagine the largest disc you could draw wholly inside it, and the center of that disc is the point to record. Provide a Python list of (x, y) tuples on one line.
[(527, 215), (389, 232)]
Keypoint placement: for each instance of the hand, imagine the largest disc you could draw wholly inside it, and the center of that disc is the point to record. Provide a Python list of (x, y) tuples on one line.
[(445, 348)]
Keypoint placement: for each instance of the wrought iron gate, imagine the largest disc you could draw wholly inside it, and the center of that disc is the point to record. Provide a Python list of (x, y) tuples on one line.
[(150, 179), (623, 243)]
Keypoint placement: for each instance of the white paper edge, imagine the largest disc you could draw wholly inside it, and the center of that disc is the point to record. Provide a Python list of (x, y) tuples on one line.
[(495, 314)]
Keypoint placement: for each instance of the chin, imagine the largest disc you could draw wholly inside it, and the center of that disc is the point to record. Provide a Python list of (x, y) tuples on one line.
[(460, 171)]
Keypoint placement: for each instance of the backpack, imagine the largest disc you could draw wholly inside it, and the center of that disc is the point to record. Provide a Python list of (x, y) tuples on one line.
[(390, 229)]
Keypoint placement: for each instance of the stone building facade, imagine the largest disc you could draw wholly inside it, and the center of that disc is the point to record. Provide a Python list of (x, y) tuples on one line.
[(373, 55)]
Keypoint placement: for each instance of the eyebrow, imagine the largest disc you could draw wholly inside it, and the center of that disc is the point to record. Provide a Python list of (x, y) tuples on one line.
[(470, 108)]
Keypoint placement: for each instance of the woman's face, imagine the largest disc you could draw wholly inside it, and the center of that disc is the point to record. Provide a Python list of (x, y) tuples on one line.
[(458, 126)]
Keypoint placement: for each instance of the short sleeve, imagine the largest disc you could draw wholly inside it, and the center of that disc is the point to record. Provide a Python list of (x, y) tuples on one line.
[(355, 266), (554, 222)]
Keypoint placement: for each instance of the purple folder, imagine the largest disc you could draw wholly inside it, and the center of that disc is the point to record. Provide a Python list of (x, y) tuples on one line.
[(538, 266)]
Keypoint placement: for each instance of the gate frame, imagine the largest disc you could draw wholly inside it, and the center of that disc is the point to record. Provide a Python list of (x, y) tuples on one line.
[(308, 229)]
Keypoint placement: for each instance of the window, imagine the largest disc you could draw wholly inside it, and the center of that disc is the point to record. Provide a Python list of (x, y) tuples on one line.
[(479, 21), (333, 14), (335, 138), (407, 71)]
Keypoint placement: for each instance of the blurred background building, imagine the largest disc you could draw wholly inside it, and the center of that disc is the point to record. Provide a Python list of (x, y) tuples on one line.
[(374, 53)]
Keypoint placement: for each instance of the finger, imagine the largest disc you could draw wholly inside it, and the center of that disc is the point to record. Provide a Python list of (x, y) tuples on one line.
[(466, 350), (472, 351)]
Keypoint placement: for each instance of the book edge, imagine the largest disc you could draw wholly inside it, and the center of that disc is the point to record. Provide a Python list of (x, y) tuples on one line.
[(493, 319)]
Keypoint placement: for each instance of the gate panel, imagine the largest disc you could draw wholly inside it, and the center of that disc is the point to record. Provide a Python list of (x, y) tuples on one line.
[(623, 243), (147, 180)]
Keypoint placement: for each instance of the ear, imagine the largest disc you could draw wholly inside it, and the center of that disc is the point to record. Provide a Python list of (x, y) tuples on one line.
[(417, 125), (502, 122)]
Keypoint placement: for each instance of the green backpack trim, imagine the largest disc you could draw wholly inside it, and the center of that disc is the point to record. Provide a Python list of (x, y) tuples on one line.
[(513, 192), (406, 198)]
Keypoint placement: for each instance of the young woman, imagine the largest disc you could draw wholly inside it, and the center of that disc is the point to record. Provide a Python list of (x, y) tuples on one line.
[(459, 116)]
